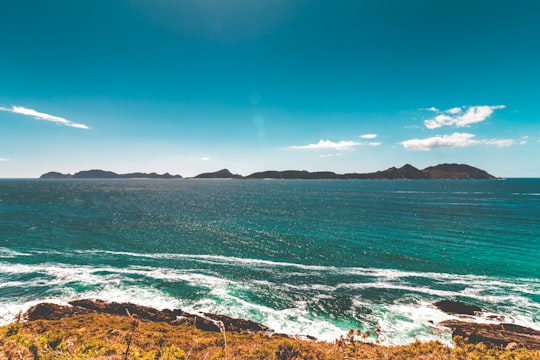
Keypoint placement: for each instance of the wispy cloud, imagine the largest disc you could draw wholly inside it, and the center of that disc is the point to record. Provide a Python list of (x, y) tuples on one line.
[(43, 116), (461, 117), (340, 145), (205, 158), (4, 159), (327, 144), (329, 155), (453, 140)]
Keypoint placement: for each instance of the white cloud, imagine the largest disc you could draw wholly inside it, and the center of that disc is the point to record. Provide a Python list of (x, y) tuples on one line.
[(454, 140), (205, 158), (455, 110), (497, 142), (4, 159), (375, 143), (329, 155), (327, 144), (43, 116), (473, 115), (368, 136)]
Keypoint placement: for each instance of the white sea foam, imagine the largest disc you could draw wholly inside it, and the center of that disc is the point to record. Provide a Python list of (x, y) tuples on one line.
[(402, 324), (10, 311), (404, 320), (6, 253), (294, 320), (388, 274)]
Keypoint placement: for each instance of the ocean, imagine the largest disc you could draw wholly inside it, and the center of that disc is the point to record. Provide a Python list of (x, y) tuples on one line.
[(304, 257)]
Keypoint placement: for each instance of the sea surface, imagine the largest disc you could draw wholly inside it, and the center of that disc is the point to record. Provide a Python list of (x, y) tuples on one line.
[(302, 257)]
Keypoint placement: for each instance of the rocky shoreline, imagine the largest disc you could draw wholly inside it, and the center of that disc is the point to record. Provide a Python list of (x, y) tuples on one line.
[(204, 321), (501, 335), (93, 329)]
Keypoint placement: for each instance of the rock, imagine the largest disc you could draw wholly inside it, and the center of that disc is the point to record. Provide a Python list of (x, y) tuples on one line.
[(457, 307), (207, 322), (499, 318), (48, 311), (499, 335), (511, 346), (123, 309), (238, 325)]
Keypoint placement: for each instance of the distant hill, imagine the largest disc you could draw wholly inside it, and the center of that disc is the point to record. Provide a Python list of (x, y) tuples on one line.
[(221, 174), (456, 171), (406, 172), (294, 174), (102, 174)]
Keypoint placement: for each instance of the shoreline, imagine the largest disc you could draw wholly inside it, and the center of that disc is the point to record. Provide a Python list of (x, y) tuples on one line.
[(493, 333), (92, 329)]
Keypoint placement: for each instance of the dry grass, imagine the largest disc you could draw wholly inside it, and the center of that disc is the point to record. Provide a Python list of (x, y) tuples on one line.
[(109, 337)]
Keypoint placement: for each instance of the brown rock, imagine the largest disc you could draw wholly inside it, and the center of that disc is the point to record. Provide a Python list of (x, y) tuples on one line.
[(141, 312), (499, 335), (238, 325), (207, 322), (457, 307), (511, 346), (49, 311)]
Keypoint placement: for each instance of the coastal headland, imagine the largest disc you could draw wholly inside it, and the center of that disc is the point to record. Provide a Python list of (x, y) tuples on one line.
[(94, 329)]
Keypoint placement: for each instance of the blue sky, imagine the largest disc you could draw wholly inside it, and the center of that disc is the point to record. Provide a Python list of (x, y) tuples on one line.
[(192, 86)]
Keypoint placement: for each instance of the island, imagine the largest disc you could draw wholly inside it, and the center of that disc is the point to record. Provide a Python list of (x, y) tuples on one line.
[(406, 172), (221, 174), (102, 174)]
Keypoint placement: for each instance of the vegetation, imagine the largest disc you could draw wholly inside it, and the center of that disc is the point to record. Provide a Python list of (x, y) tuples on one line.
[(114, 337)]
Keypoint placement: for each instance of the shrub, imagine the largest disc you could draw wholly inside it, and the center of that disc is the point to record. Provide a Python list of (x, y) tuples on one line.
[(287, 351)]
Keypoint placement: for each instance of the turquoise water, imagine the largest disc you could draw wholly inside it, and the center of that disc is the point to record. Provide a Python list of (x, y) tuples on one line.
[(303, 257)]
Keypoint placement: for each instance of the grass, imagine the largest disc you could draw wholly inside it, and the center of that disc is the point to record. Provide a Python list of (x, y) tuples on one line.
[(112, 337)]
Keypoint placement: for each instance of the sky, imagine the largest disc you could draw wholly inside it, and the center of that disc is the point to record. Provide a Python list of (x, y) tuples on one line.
[(191, 86)]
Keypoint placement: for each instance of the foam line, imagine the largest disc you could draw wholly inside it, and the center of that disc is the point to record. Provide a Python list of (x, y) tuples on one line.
[(401, 322)]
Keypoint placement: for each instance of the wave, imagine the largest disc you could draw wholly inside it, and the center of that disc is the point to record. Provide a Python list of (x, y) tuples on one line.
[(6, 253), (523, 283), (296, 299)]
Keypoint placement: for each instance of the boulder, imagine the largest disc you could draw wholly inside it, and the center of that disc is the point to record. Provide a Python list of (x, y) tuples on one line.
[(49, 311), (505, 336), (238, 325), (457, 307)]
